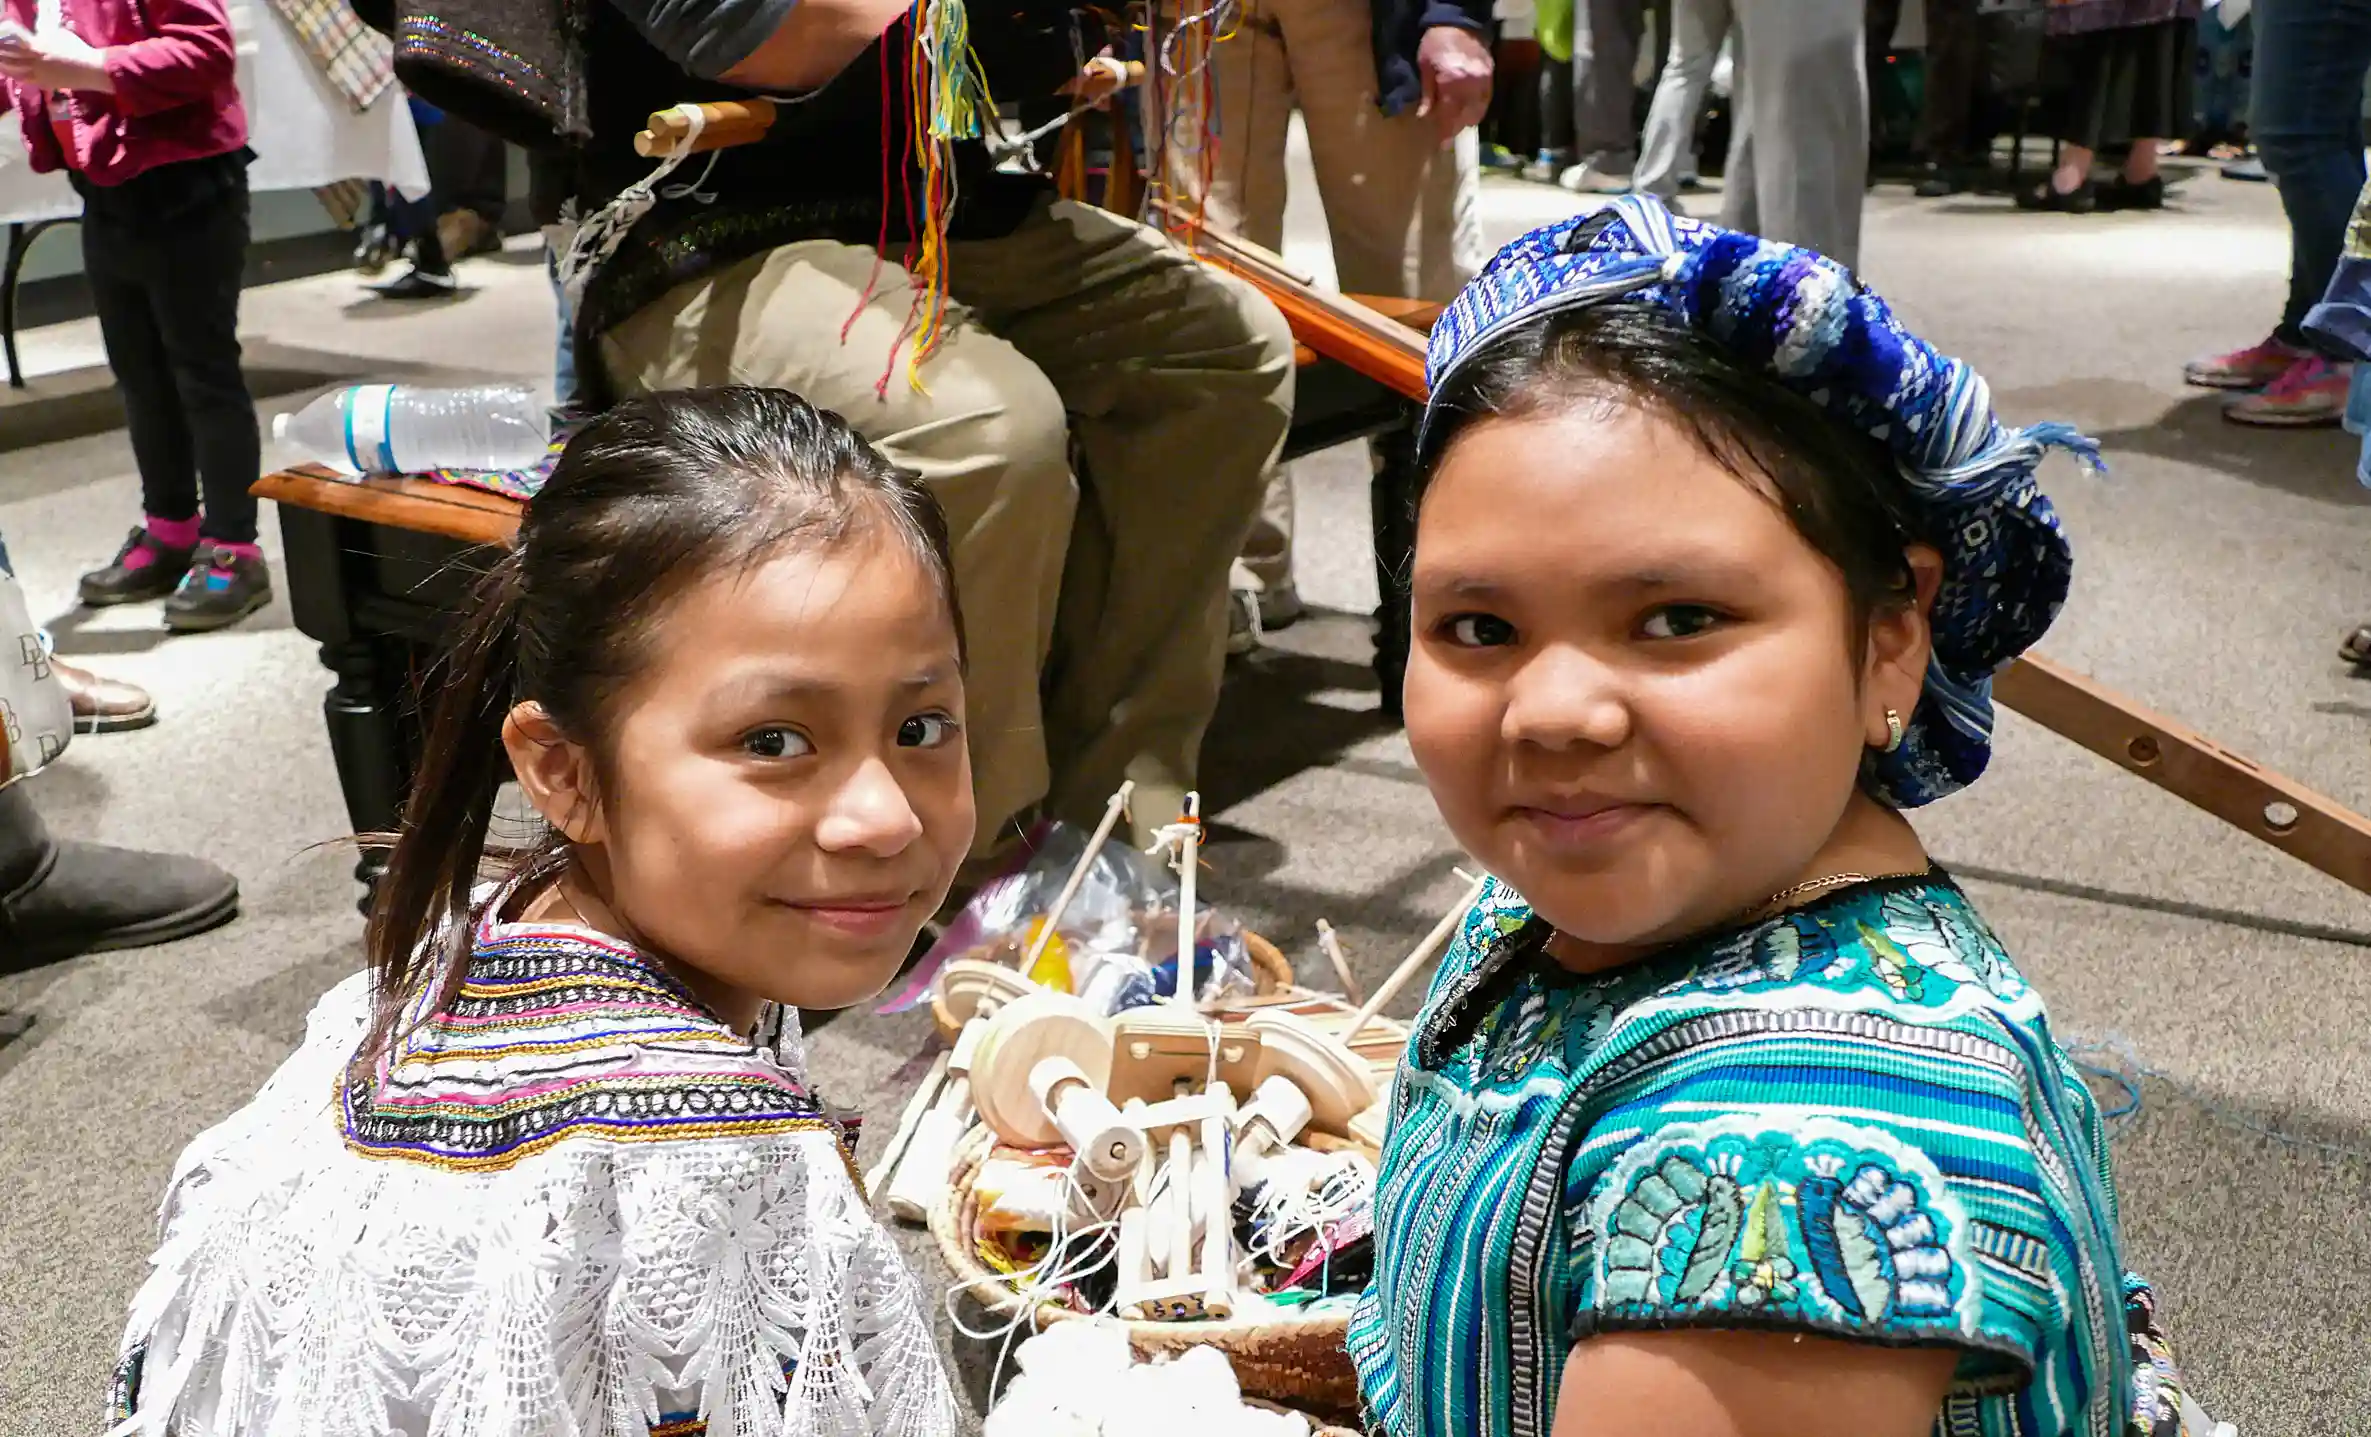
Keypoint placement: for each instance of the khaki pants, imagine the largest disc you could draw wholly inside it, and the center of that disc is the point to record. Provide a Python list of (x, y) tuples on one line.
[(1094, 602), (1400, 209)]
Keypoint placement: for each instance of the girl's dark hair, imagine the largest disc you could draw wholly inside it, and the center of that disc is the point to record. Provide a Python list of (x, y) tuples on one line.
[(653, 495), (1839, 486)]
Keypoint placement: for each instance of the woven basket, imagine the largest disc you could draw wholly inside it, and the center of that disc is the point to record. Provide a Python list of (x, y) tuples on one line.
[(1298, 1362), (1271, 973)]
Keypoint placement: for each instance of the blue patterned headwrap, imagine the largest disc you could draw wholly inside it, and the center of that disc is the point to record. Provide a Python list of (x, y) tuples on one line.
[(1804, 319)]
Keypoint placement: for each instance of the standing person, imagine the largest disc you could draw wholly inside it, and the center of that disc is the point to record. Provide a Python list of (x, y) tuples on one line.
[(2306, 115), (1388, 91), (139, 104), (2131, 65), (413, 225), (1956, 156), (1799, 153), (1667, 161), (1605, 37)]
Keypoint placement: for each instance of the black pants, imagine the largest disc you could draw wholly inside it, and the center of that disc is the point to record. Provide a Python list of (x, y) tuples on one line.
[(468, 169), (1954, 66), (164, 253)]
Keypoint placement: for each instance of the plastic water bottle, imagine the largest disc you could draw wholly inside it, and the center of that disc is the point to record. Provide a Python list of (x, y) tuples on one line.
[(406, 429)]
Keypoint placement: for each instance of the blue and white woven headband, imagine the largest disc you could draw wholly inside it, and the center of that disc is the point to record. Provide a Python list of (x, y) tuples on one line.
[(1806, 321)]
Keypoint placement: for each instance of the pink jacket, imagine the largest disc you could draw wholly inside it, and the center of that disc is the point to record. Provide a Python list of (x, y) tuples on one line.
[(176, 89)]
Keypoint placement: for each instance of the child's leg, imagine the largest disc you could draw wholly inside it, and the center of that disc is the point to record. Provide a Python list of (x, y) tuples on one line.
[(161, 445), (116, 260), (196, 304)]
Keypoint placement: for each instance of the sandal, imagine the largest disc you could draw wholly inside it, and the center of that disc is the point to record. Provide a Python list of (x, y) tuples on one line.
[(2355, 648)]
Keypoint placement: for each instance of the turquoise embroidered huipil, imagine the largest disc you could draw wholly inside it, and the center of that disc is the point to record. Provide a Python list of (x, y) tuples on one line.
[(1849, 1119)]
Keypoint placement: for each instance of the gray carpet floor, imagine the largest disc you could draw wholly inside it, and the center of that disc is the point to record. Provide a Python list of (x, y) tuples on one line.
[(2219, 567)]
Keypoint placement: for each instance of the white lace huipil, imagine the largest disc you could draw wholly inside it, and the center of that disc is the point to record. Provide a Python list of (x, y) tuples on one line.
[(571, 1203)]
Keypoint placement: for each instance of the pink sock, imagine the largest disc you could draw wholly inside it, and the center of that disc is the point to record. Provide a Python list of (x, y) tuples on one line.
[(250, 552), (174, 533)]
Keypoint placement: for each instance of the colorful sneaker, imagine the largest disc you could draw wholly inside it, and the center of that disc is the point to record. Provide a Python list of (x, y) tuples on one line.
[(222, 587), (142, 569), (2311, 392), (2249, 368)]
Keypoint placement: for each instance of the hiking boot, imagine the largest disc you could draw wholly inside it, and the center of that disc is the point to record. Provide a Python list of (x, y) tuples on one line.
[(142, 569), (2249, 368), (221, 588), (2309, 394)]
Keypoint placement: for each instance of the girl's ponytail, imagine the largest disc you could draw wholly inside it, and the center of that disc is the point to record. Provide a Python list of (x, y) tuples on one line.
[(423, 914)]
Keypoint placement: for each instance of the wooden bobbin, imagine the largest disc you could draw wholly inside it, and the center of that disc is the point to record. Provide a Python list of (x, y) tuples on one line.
[(1337, 1082), (968, 985), (1023, 1034)]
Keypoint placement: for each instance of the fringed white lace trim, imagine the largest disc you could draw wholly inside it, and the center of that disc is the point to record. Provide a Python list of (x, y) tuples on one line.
[(592, 1288)]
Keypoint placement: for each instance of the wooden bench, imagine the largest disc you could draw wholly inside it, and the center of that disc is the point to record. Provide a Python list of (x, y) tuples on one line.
[(377, 569)]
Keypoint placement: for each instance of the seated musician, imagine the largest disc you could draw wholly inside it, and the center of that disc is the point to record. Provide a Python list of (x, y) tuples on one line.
[(1097, 584)]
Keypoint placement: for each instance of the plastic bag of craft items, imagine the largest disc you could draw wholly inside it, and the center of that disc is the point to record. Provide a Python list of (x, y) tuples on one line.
[(1116, 945), (1079, 1379)]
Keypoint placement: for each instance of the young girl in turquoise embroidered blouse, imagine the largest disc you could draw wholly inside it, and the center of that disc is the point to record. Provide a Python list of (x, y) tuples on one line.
[(1727, 1114)]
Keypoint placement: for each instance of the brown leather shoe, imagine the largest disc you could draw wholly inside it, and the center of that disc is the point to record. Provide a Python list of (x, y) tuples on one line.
[(104, 705), (464, 233)]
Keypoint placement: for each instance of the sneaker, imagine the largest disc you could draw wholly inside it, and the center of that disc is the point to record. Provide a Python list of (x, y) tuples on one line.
[(141, 570), (375, 247), (221, 588), (1243, 623), (1280, 606), (1939, 181), (2250, 169), (1546, 165), (1499, 157), (2250, 368), (418, 283), (2311, 392), (1598, 175)]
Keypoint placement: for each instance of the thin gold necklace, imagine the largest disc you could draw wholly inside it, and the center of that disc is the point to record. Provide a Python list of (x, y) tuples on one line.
[(1787, 897)]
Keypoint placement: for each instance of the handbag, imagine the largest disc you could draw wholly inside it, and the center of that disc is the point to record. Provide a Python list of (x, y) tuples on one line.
[(36, 718)]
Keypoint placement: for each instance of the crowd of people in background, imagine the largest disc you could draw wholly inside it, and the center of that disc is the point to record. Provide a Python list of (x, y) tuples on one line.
[(1406, 103)]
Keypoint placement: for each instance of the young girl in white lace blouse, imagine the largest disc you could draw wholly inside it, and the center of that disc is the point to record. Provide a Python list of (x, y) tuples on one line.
[(552, 1165)]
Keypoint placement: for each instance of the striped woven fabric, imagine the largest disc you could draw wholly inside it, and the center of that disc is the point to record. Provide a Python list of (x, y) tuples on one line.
[(528, 1054), (1850, 1119), (358, 61)]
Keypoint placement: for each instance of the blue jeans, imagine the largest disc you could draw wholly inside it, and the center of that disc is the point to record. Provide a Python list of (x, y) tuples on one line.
[(2225, 65), (2307, 121), (564, 360)]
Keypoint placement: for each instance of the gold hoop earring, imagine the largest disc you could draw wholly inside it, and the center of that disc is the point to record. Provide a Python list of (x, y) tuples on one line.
[(1893, 731)]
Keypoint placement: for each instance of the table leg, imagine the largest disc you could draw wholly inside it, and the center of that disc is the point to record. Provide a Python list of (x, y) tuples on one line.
[(12, 268), (1392, 496), (18, 243), (367, 748)]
